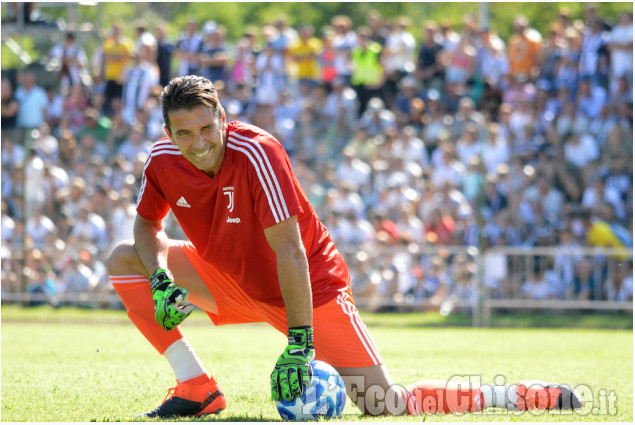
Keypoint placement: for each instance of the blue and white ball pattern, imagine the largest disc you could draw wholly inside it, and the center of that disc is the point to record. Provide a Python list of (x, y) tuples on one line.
[(326, 397)]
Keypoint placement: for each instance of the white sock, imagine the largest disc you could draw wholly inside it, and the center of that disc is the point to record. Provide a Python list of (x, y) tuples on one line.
[(185, 364), (504, 396)]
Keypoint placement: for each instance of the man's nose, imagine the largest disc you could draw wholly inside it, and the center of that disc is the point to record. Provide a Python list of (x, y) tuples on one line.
[(198, 141)]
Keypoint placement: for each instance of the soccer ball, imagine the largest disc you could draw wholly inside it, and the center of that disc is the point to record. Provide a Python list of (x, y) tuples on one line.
[(325, 397)]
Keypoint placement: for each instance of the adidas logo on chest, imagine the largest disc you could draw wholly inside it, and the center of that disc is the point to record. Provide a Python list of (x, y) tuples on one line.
[(183, 203)]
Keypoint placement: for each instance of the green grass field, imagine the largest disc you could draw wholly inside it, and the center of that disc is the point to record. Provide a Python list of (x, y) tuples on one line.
[(88, 365)]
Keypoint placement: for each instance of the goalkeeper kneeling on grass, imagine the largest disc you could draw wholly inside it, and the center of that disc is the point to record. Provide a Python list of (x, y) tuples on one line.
[(257, 252)]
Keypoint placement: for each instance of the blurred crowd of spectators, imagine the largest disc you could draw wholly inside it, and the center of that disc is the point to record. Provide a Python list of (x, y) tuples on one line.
[(461, 139)]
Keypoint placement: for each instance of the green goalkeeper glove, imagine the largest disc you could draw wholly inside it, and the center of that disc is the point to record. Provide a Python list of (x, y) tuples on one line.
[(293, 367), (170, 301)]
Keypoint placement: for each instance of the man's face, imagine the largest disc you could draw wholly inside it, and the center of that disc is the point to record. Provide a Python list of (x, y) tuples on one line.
[(199, 134)]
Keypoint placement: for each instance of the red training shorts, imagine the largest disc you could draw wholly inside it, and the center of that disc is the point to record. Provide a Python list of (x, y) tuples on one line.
[(341, 338)]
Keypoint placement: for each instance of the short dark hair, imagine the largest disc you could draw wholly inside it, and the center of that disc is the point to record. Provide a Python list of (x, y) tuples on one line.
[(188, 92)]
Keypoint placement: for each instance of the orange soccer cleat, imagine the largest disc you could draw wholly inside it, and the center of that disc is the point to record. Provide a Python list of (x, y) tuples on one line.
[(190, 400), (539, 395)]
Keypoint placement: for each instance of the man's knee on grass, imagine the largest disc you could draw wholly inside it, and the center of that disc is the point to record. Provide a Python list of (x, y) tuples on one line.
[(376, 400), (124, 260)]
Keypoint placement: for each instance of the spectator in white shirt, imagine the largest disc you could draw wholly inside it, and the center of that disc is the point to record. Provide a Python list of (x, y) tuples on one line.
[(135, 144), (580, 149), (355, 172), (89, 228), (597, 194), (38, 228), (619, 286), (495, 149), (450, 171), (468, 144), (621, 47), (538, 286)]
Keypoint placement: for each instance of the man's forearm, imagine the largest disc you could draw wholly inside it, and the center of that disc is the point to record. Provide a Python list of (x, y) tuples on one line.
[(151, 243), (295, 285)]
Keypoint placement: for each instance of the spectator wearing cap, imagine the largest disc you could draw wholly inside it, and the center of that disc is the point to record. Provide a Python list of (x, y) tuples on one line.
[(447, 37), (409, 104), (144, 38), (524, 49), (377, 25), (95, 125), (368, 71), (377, 119), (187, 49), (32, 101), (343, 42), (117, 50), (214, 55)]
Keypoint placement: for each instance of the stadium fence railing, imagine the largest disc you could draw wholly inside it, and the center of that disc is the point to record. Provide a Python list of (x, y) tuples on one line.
[(447, 279)]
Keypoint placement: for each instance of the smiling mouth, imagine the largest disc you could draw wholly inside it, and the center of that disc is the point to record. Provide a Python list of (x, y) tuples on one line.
[(202, 154)]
